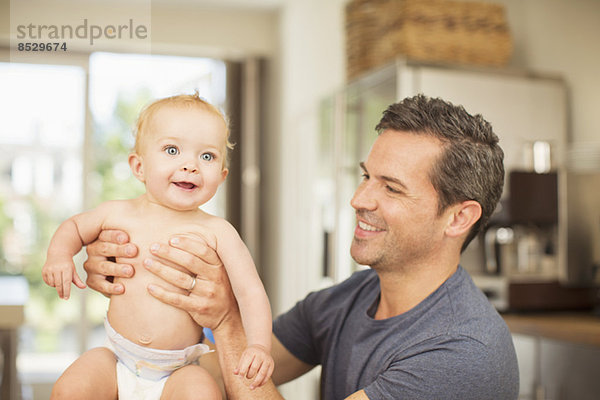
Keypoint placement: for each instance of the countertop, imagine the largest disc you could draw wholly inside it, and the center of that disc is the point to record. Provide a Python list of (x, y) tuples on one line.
[(582, 328)]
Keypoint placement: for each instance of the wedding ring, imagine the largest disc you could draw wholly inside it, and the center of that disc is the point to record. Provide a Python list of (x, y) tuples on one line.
[(193, 285)]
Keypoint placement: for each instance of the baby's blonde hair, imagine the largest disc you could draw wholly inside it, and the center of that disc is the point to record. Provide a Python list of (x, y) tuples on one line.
[(182, 100)]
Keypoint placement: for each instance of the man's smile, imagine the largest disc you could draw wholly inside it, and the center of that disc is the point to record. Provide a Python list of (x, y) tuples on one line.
[(367, 227)]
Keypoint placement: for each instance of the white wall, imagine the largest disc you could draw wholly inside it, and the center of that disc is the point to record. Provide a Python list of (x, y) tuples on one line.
[(562, 36), (311, 61), (312, 67)]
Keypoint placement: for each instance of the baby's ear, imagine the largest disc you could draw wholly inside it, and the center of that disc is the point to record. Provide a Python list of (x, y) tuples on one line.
[(137, 166)]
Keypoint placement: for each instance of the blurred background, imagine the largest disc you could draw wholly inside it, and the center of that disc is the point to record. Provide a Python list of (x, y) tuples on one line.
[(304, 82)]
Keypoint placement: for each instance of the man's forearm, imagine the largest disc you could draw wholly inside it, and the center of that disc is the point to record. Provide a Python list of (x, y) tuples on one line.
[(230, 342)]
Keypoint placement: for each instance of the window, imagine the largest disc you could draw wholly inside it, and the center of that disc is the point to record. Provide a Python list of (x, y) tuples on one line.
[(41, 180)]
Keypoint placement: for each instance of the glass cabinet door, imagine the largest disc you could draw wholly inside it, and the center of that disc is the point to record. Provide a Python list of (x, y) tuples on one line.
[(348, 121)]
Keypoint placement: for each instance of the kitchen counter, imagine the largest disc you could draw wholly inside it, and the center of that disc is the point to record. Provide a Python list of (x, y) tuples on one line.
[(581, 328)]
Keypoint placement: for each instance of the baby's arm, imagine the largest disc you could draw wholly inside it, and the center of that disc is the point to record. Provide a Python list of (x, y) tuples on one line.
[(69, 238), (253, 303)]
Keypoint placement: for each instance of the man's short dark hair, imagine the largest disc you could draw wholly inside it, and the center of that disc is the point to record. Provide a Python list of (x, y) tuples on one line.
[(470, 166)]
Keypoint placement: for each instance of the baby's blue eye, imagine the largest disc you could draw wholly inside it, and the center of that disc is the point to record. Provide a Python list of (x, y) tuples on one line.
[(207, 157), (171, 150)]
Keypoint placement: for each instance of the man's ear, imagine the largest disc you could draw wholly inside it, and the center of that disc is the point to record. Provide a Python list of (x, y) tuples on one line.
[(462, 217), (137, 167)]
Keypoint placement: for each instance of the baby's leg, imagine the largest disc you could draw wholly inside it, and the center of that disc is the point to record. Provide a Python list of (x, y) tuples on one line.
[(91, 376), (191, 382)]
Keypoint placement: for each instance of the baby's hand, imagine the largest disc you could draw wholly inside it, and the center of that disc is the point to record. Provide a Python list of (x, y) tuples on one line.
[(256, 362), (60, 274)]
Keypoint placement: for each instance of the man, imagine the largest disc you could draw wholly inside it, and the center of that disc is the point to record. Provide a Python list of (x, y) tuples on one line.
[(413, 326)]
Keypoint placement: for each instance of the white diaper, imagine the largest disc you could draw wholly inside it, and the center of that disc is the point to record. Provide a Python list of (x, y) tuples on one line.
[(132, 387), (143, 371)]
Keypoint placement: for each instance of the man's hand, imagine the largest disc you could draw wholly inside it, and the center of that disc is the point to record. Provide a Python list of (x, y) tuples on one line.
[(211, 303), (210, 300), (101, 267)]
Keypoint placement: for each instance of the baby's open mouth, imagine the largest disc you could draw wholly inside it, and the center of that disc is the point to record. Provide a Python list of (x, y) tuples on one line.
[(185, 185)]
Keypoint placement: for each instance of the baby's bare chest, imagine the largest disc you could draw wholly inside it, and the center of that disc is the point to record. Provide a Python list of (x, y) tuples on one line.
[(145, 230)]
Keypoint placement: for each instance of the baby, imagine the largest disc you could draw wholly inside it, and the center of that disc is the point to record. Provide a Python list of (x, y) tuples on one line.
[(180, 155)]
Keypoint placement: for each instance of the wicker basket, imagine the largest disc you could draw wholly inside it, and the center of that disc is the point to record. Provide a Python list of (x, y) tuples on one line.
[(460, 32)]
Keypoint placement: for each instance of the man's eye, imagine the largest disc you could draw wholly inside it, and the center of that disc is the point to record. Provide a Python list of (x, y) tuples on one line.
[(171, 150), (207, 157), (365, 176), (392, 190)]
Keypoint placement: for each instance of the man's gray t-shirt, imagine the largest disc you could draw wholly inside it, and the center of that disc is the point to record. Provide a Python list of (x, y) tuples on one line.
[(453, 345)]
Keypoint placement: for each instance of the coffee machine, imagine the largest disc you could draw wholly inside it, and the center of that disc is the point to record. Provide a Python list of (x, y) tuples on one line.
[(531, 250)]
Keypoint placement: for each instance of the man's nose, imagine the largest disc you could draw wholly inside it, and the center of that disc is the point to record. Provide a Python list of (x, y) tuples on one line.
[(363, 198)]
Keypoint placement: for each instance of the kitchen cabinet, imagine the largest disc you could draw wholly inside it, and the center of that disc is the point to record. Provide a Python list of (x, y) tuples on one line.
[(558, 354)]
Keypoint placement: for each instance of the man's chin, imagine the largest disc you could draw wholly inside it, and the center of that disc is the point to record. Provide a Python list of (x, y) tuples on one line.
[(359, 257)]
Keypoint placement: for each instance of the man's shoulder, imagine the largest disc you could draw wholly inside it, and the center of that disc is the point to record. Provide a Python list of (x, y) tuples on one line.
[(472, 314), (465, 297)]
